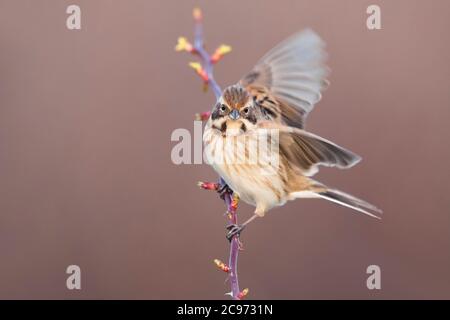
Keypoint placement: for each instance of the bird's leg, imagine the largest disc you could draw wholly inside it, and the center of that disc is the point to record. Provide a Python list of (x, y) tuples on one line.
[(234, 229)]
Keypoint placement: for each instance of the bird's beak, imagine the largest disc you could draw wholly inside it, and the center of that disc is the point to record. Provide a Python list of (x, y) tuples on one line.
[(234, 114)]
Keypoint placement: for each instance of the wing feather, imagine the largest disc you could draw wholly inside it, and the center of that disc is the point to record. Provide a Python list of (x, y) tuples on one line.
[(305, 151), (293, 74)]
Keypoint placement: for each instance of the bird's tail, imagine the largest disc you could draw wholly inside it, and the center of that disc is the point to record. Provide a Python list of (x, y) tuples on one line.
[(341, 198)]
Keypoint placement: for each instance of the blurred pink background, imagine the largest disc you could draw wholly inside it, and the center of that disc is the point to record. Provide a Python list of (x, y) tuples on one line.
[(86, 176)]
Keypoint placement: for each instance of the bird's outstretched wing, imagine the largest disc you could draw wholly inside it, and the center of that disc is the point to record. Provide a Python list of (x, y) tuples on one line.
[(305, 151), (287, 81)]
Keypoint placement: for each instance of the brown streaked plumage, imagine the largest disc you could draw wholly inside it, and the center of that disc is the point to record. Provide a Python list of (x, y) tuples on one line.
[(267, 108), (235, 96)]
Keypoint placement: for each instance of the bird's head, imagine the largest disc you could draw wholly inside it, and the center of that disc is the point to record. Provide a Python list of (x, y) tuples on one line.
[(235, 112)]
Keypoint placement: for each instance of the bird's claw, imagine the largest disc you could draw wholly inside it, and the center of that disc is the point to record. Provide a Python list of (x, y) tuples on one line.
[(223, 189), (234, 230)]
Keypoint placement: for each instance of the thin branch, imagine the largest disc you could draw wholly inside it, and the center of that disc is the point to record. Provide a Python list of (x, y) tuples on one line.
[(234, 248), (204, 55), (205, 71)]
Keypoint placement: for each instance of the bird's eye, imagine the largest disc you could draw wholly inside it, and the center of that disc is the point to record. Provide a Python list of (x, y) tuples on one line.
[(246, 110), (223, 108)]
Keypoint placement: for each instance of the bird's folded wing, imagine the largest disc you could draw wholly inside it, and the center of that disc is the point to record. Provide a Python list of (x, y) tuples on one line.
[(304, 151), (294, 74)]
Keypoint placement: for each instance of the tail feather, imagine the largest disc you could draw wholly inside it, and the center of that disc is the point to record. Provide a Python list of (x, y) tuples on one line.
[(350, 201), (341, 198)]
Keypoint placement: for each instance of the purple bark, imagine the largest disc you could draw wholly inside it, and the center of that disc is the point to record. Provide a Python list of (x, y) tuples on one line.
[(234, 244)]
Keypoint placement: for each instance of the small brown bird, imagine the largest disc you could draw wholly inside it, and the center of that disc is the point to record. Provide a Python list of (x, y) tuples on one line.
[(268, 107)]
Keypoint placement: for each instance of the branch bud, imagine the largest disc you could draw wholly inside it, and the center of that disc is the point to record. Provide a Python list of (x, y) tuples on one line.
[(199, 70), (208, 185), (197, 14), (184, 45), (220, 52), (242, 294), (203, 116), (222, 266), (234, 202)]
